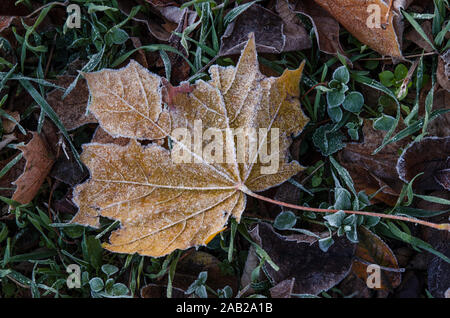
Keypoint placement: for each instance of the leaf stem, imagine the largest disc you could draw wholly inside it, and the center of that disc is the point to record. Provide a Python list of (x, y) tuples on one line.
[(443, 226)]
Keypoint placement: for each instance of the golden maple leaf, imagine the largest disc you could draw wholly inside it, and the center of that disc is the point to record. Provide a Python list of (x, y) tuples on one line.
[(163, 205)]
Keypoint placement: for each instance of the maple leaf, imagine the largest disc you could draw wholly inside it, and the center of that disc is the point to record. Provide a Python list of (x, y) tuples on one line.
[(163, 205)]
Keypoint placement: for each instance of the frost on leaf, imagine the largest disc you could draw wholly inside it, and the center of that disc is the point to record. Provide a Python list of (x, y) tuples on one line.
[(127, 102), (163, 205), (365, 19)]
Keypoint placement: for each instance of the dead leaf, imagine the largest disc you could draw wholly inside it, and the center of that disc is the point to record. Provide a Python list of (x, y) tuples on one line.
[(39, 162), (151, 21), (66, 169), (6, 140), (325, 26), (72, 109), (443, 71), (164, 205), (162, 3), (354, 14), (296, 36), (430, 156), (8, 125), (127, 102), (102, 137), (190, 266), (440, 126), (270, 31), (438, 268), (6, 181), (160, 291), (371, 172), (283, 289), (417, 39), (314, 270), (12, 8), (372, 250), (180, 68), (5, 21)]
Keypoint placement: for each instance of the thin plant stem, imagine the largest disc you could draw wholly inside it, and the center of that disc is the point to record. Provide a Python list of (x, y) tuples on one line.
[(443, 226)]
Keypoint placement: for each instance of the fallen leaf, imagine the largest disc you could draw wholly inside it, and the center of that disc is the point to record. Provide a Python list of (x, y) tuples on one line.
[(371, 172), (438, 269), (5, 21), (314, 270), (190, 266), (270, 31), (179, 67), (6, 140), (162, 3), (164, 205), (102, 137), (66, 169), (354, 15), (443, 71), (6, 181), (430, 156), (151, 21), (283, 289), (8, 125), (12, 8), (417, 39), (296, 36), (440, 126), (72, 109), (39, 162), (325, 26), (127, 102), (372, 250), (160, 291)]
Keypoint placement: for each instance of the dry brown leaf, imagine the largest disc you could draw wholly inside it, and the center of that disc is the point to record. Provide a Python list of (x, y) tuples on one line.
[(443, 71), (8, 125), (39, 162), (314, 270), (272, 33), (283, 289), (440, 126), (430, 156), (372, 172), (325, 26), (163, 205), (438, 268), (72, 109), (102, 137), (5, 21), (415, 37), (353, 15), (372, 250), (127, 102)]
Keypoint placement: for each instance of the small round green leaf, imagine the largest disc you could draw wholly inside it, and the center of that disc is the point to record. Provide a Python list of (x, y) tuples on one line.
[(109, 269), (335, 219), (335, 113), (385, 122), (335, 98), (386, 78), (119, 289), (353, 102), (400, 72), (96, 284), (285, 220), (342, 75)]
